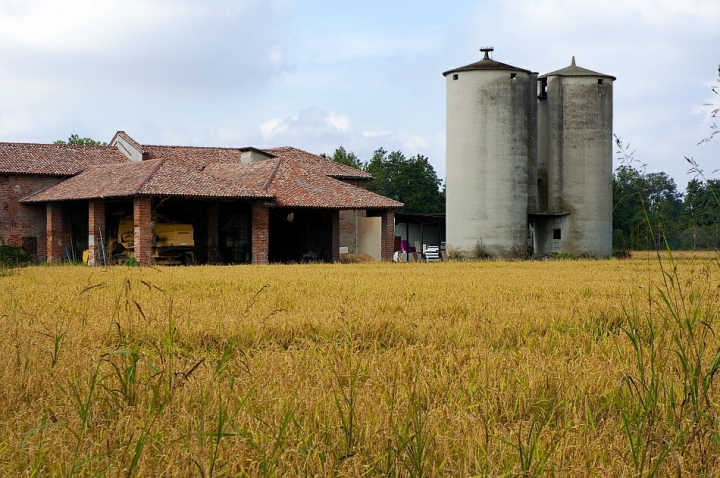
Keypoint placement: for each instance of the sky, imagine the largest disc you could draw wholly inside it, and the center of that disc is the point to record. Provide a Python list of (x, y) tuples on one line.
[(365, 74)]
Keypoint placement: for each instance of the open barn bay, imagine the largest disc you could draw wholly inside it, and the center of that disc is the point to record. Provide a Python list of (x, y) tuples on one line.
[(448, 369)]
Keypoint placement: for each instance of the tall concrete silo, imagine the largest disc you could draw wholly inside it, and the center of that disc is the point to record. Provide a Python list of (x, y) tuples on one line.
[(490, 133), (575, 114)]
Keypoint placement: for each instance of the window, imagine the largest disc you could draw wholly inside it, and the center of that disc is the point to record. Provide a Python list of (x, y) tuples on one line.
[(557, 234), (513, 76), (455, 76), (600, 81), (542, 88)]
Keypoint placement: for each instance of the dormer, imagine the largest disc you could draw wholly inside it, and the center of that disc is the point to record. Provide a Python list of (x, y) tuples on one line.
[(128, 146), (252, 155)]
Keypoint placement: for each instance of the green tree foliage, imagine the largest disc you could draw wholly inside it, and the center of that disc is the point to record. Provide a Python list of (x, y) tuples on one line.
[(349, 159), (648, 210), (701, 203), (75, 139), (412, 181)]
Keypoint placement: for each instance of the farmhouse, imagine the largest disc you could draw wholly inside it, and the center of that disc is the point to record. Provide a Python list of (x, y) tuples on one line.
[(236, 205)]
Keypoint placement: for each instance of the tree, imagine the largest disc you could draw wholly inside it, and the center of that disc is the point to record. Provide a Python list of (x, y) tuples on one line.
[(75, 139), (349, 159), (412, 181), (646, 208)]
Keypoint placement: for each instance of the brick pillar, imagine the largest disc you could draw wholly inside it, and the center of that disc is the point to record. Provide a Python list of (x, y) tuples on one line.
[(142, 219), (335, 256), (53, 232), (212, 233), (96, 225), (260, 234), (387, 241)]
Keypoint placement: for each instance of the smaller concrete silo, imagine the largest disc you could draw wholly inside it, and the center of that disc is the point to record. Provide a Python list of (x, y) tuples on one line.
[(574, 173), (490, 143)]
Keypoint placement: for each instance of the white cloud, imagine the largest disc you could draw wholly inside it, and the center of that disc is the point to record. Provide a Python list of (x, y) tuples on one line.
[(375, 134), (340, 122), (274, 127)]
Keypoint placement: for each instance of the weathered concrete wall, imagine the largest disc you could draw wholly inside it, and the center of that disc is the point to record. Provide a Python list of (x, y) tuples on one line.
[(543, 139), (532, 145), (580, 156), (487, 158), (24, 223)]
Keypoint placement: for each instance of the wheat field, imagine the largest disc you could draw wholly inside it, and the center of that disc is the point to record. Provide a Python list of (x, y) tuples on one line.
[(537, 368)]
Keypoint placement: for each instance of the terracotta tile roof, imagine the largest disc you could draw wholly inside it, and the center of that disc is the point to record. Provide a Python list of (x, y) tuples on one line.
[(54, 159), (193, 157), (289, 177), (143, 178), (320, 165), (294, 185), (253, 175)]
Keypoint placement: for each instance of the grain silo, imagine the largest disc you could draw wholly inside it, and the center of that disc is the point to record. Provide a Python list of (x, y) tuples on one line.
[(574, 175), (491, 147)]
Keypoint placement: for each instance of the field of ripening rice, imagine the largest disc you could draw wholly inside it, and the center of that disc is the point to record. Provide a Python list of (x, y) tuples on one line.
[(558, 368)]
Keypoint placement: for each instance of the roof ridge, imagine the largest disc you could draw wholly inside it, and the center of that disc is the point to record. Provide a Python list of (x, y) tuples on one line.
[(149, 176), (272, 175), (56, 145), (229, 148)]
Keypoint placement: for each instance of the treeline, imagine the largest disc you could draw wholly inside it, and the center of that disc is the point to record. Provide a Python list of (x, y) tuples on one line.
[(649, 211)]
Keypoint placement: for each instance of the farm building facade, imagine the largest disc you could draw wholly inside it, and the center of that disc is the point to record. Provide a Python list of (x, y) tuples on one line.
[(240, 205)]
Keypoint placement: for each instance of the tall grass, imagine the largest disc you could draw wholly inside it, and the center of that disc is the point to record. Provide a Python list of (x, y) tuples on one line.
[(462, 369)]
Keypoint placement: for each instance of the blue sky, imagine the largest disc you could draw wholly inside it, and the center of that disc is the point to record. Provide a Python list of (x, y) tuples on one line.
[(364, 74)]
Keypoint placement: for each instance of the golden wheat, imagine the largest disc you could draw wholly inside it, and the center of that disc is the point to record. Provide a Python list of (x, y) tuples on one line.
[(458, 369)]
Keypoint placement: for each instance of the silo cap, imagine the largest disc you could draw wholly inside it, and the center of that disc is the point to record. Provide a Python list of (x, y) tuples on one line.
[(486, 64), (574, 70)]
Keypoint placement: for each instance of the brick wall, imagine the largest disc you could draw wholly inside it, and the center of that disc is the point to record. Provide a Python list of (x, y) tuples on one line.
[(348, 229), (260, 225), (96, 231), (54, 232), (387, 242), (335, 236), (212, 233), (142, 219), (21, 224)]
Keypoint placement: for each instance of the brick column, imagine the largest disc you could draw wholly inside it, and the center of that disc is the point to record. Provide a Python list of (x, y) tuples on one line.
[(96, 225), (387, 241), (335, 235), (260, 234), (53, 232), (142, 219), (212, 233)]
